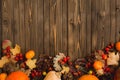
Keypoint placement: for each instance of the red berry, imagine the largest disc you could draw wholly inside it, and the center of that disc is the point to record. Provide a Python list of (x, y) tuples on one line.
[(107, 49), (36, 73), (16, 58), (104, 56), (65, 60), (39, 73), (20, 55), (107, 69), (21, 58), (68, 58), (33, 75), (8, 49)]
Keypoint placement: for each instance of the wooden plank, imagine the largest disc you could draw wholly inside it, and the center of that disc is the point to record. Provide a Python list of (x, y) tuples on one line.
[(76, 29), (83, 27), (7, 19), (73, 29), (64, 27), (59, 26), (46, 26), (100, 24), (16, 20), (94, 24), (33, 26), (113, 20), (21, 25), (39, 30), (107, 22), (0, 27), (117, 34), (27, 24), (52, 27), (70, 29), (88, 27)]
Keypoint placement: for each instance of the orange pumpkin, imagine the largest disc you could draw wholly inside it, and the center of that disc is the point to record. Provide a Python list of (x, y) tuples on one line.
[(30, 54), (17, 75), (117, 45), (98, 65), (3, 76), (88, 77)]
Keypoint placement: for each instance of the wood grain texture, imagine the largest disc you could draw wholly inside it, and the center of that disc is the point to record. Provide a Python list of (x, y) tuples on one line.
[(52, 27), (0, 26), (39, 40), (117, 20), (75, 27), (46, 25), (7, 19)]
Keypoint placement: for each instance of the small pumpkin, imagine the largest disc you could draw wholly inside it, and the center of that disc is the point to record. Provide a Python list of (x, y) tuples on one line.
[(17, 75), (117, 45), (98, 65), (52, 75), (88, 77), (30, 54), (3, 76)]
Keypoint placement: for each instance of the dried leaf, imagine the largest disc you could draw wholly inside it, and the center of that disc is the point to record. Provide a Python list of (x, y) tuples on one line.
[(113, 58), (31, 63), (16, 50), (3, 61)]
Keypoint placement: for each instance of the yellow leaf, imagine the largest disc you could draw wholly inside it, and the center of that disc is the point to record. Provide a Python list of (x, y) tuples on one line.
[(31, 63), (16, 50), (3, 60)]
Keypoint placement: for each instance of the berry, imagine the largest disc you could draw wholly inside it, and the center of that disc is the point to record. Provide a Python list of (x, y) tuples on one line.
[(68, 58), (104, 56), (65, 60), (107, 49), (44, 73), (16, 58)]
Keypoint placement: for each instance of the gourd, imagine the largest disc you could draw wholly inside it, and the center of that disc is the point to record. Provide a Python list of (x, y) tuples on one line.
[(88, 77), (52, 75)]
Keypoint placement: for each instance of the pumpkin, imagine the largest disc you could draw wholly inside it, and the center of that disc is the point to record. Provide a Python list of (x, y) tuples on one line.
[(3, 76), (52, 75), (117, 45), (88, 77), (30, 54), (17, 75), (98, 65)]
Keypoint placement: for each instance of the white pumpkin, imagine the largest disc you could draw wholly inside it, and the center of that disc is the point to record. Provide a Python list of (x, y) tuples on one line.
[(52, 75)]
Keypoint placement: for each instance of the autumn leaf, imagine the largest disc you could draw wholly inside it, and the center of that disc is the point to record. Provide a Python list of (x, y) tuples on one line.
[(31, 63), (16, 50), (3, 61)]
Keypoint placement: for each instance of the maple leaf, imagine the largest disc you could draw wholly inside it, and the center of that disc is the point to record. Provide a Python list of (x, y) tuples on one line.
[(31, 63), (16, 50), (113, 58), (3, 61)]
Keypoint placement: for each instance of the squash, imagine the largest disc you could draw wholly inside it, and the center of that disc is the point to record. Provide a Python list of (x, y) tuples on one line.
[(88, 77), (52, 75)]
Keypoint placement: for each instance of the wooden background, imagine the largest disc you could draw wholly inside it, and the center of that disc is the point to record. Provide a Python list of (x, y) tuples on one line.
[(74, 27)]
